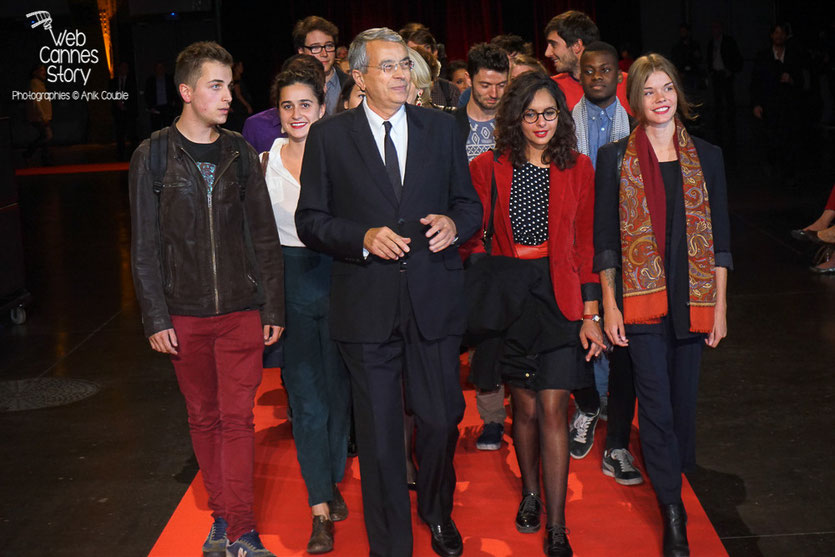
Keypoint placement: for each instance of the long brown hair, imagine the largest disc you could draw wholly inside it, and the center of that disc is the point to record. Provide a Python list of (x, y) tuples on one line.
[(509, 137), (639, 72)]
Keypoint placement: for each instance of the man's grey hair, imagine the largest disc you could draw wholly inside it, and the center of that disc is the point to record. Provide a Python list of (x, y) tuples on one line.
[(358, 55)]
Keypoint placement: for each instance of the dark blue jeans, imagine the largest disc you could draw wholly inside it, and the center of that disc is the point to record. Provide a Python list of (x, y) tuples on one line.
[(317, 383), (667, 383)]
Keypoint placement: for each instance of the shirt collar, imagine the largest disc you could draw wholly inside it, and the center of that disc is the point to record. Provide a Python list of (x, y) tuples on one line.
[(612, 109), (332, 83), (275, 161), (376, 121), (594, 111)]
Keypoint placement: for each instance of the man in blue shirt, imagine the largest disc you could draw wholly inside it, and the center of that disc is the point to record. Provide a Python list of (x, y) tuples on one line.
[(600, 119)]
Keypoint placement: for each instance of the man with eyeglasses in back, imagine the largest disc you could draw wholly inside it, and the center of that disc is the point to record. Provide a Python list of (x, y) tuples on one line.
[(386, 191), (318, 37)]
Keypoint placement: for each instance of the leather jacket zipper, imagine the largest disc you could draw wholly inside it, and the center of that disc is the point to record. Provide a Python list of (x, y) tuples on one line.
[(209, 196)]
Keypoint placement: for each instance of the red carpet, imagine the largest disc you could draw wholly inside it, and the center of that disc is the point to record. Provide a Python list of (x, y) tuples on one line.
[(604, 518), (73, 169)]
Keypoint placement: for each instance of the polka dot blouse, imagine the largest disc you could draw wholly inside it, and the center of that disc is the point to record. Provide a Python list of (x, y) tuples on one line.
[(529, 205)]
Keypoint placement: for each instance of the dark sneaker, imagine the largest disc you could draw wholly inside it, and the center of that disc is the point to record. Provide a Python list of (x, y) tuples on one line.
[(617, 464), (337, 506), (491, 437), (556, 542), (581, 434), (216, 542), (321, 538), (530, 509), (248, 545)]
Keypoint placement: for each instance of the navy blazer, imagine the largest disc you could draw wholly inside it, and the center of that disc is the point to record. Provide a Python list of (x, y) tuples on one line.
[(607, 247), (462, 121), (345, 191)]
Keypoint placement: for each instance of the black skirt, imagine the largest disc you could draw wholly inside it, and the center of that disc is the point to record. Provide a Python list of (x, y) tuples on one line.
[(538, 348)]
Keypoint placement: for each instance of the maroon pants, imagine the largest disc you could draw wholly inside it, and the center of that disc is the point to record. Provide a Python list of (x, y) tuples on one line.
[(830, 204), (219, 369)]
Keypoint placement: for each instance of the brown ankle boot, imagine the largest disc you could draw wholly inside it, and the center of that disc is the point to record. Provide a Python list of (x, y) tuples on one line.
[(337, 506), (321, 539)]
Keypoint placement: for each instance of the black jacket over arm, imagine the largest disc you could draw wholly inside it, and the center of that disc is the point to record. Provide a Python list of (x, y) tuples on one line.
[(345, 192)]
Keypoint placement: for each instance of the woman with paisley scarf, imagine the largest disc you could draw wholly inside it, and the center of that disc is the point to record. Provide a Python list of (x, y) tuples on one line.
[(662, 248)]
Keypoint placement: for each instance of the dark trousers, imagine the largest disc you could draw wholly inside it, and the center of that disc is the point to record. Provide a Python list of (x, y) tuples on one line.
[(219, 369), (621, 399), (317, 383), (587, 398), (783, 136), (666, 381), (125, 128), (426, 374), (41, 142), (724, 101)]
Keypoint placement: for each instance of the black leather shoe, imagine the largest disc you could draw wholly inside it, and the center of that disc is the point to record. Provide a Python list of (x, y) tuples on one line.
[(675, 530), (556, 542), (446, 541), (530, 509)]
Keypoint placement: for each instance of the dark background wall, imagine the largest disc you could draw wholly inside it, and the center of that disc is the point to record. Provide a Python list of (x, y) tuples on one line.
[(146, 31), (458, 24)]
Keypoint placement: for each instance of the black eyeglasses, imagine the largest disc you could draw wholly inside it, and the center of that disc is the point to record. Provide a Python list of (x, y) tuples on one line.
[(317, 48), (391, 67), (549, 114)]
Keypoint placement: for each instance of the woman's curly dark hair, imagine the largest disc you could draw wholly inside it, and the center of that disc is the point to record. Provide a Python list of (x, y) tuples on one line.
[(561, 150)]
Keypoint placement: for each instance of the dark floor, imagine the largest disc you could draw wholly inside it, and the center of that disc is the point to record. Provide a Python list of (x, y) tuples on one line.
[(102, 476)]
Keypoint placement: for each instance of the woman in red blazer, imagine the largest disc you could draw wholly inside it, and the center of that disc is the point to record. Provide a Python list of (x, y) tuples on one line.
[(543, 216)]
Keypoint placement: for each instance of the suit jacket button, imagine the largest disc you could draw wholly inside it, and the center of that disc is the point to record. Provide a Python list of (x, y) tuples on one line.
[(401, 221)]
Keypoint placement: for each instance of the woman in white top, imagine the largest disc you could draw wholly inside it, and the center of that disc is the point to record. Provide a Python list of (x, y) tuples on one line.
[(317, 383)]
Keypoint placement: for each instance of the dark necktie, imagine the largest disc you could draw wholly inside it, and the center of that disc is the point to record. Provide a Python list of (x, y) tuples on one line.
[(392, 164)]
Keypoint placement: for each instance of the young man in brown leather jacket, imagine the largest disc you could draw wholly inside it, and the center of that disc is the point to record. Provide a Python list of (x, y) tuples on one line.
[(206, 261)]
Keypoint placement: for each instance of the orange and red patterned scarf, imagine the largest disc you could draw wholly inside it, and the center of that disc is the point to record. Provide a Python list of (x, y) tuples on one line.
[(642, 233)]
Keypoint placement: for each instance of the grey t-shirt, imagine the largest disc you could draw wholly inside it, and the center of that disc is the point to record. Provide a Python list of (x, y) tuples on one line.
[(480, 138)]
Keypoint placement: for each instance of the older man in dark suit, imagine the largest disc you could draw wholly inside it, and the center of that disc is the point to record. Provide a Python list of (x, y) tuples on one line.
[(386, 190)]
